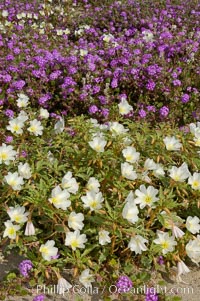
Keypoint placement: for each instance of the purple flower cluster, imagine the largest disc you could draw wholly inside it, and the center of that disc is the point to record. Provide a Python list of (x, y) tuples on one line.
[(151, 295), (124, 284), (39, 298), (24, 267)]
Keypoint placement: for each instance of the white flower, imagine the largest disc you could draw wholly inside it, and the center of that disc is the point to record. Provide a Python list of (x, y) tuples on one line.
[(22, 100), (44, 113), (192, 224), (30, 229), (117, 129), (177, 232), (48, 250), (167, 242), (124, 107), (92, 200), (7, 154), (147, 36), (35, 127), (182, 268), (15, 126), (108, 37), (69, 183), (149, 164), (4, 13), (59, 126), (194, 181), (83, 52), (24, 170), (104, 237), (10, 230), (128, 172), (179, 174), (98, 144), (146, 196), (130, 154), (59, 198), (130, 210), (172, 144), (75, 240), (193, 249), (93, 184), (14, 180), (63, 285), (158, 171), (137, 244), (75, 221), (23, 116), (18, 214), (86, 278)]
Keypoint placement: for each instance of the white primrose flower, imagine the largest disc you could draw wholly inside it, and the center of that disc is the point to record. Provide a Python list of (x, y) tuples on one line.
[(44, 113), (172, 144), (130, 210), (4, 13), (137, 244), (75, 240), (148, 36), (7, 154), (11, 230), (59, 198), (15, 126), (130, 154), (104, 237), (192, 224), (124, 107), (194, 128), (48, 250), (177, 232), (63, 285), (75, 221), (158, 171), (22, 100), (92, 200), (22, 116), (14, 180), (86, 278), (30, 229), (83, 52), (193, 249), (149, 164), (128, 172), (117, 129), (93, 184), (24, 170), (98, 144), (167, 242), (108, 37), (18, 214), (194, 181), (69, 183), (179, 174), (35, 127), (59, 126), (146, 196), (182, 270)]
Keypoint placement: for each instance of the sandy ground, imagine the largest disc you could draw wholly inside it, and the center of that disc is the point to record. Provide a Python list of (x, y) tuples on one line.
[(189, 289)]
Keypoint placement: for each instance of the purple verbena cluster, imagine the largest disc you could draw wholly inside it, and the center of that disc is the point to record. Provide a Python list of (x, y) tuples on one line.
[(124, 284), (39, 298), (151, 295), (24, 267)]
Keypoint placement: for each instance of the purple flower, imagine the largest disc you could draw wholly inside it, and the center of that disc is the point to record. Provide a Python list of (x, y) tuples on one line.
[(185, 98), (124, 284), (142, 113), (151, 108), (150, 85), (160, 260), (24, 267), (164, 111), (176, 82), (18, 85), (105, 112), (23, 153), (151, 295), (9, 113), (39, 298), (9, 139), (93, 109)]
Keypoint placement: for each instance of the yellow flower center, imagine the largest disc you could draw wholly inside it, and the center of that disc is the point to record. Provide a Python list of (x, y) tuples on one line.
[(44, 250), (93, 204), (55, 200), (74, 243), (195, 184), (148, 199), (18, 218), (165, 245), (11, 231), (32, 129), (4, 156), (176, 178), (16, 127)]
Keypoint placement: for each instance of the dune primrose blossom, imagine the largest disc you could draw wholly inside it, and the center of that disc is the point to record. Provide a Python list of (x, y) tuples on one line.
[(93, 184), (16, 126), (130, 154), (63, 285), (128, 172), (35, 127), (69, 183), (75, 240), (11, 230), (48, 250), (193, 249), (172, 144), (92, 200), (86, 278), (59, 198), (7, 154), (18, 214), (179, 174), (192, 224), (98, 144), (194, 181), (166, 242), (14, 180), (124, 107), (75, 221), (104, 237), (146, 196), (137, 244), (24, 170)]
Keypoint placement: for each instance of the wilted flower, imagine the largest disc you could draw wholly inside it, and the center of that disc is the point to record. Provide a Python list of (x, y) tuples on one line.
[(86, 278), (14, 180), (24, 170), (30, 229), (104, 237), (63, 285), (137, 244)]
